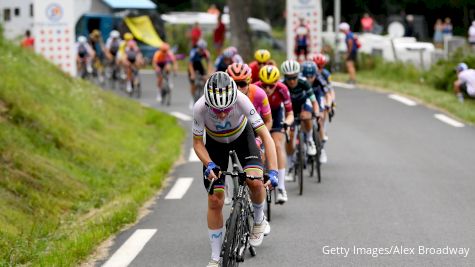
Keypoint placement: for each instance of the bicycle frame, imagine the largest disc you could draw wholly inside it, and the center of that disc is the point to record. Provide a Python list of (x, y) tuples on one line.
[(239, 224)]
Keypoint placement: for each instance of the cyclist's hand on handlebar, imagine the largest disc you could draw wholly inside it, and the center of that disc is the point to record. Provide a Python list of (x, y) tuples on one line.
[(212, 171), (273, 180)]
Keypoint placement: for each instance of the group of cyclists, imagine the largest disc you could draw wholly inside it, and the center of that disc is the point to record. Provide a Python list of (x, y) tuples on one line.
[(92, 55), (250, 109)]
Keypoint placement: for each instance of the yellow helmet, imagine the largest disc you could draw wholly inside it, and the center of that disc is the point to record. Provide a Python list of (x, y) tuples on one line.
[(262, 55), (128, 36), (269, 74)]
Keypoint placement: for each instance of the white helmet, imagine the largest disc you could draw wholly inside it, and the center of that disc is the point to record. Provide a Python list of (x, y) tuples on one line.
[(290, 67), (82, 39), (114, 34), (201, 44), (220, 90)]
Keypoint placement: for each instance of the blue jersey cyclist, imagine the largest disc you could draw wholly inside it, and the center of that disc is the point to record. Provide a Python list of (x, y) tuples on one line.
[(195, 65), (304, 103), (228, 119), (322, 91)]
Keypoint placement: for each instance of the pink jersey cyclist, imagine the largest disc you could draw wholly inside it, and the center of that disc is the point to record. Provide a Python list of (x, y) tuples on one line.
[(259, 99), (279, 96)]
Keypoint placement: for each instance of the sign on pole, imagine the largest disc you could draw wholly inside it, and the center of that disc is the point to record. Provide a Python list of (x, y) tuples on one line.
[(309, 12), (54, 32)]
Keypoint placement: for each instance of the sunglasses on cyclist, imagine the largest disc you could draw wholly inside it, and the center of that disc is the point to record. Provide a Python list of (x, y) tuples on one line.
[(268, 86), (218, 111), (241, 83), (291, 78)]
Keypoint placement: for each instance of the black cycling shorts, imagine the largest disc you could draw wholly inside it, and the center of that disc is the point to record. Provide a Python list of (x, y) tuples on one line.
[(277, 119), (131, 57), (246, 149), (198, 67)]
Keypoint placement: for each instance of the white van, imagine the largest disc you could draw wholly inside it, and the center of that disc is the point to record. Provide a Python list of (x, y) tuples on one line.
[(259, 28)]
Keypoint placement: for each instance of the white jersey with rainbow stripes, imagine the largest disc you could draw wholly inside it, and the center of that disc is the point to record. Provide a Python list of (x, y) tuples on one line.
[(231, 127)]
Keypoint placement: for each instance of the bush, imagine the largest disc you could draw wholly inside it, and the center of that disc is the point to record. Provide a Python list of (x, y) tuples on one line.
[(440, 76)]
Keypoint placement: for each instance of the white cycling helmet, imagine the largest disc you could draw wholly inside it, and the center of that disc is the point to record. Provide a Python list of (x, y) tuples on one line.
[(220, 90), (201, 44), (82, 39), (114, 34), (290, 67)]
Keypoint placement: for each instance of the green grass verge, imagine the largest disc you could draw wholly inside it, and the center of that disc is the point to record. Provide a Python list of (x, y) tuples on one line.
[(76, 163), (427, 94)]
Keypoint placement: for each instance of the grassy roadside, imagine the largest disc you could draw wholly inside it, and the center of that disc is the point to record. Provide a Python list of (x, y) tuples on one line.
[(424, 93), (76, 163)]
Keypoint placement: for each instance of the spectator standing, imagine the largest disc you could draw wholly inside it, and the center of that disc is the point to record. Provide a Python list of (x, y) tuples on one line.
[(471, 35), (219, 35), (352, 51), (409, 31), (465, 82), (438, 35), (447, 29), (28, 41), (367, 23), (195, 34), (302, 40)]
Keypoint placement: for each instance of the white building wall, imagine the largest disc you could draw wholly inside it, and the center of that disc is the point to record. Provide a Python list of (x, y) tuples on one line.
[(17, 25)]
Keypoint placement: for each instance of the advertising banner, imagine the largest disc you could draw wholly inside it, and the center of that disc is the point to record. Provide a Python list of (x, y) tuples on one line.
[(303, 28), (54, 32)]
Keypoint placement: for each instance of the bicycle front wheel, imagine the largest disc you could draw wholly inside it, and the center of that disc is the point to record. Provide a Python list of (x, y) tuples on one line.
[(231, 238)]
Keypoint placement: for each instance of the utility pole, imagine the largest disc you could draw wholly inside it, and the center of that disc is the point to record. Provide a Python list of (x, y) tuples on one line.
[(337, 15)]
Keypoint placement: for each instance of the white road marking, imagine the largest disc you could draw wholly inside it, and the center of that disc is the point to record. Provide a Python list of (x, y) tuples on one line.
[(130, 249), (448, 120), (193, 157), (402, 99), (181, 116), (179, 189), (344, 85)]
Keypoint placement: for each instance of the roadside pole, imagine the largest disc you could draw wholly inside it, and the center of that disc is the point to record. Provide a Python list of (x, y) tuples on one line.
[(337, 15)]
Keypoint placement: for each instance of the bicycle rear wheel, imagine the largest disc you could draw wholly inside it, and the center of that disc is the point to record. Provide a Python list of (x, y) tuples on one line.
[(300, 158), (231, 238)]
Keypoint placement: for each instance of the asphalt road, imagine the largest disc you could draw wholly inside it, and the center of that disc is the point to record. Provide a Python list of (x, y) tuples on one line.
[(397, 181)]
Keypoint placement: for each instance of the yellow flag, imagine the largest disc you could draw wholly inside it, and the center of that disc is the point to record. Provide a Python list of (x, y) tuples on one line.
[(143, 30)]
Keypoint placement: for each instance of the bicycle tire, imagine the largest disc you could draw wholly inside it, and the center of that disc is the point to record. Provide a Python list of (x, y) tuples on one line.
[(269, 202), (231, 239), (301, 158), (318, 144)]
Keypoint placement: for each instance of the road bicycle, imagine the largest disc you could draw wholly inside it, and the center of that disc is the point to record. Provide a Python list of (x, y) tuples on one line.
[(313, 162), (241, 220), (199, 84), (167, 87), (136, 83)]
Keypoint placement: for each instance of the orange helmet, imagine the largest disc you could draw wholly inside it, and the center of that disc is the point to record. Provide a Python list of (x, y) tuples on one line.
[(239, 72)]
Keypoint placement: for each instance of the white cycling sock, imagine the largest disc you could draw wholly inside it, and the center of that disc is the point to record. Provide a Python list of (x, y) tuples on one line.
[(258, 212), (215, 240), (310, 135), (282, 179)]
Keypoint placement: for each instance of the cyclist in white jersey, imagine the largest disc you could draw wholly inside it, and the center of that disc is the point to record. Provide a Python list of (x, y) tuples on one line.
[(229, 120)]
